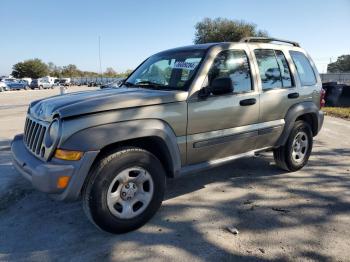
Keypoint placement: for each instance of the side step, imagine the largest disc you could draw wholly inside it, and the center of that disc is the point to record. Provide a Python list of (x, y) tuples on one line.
[(218, 162)]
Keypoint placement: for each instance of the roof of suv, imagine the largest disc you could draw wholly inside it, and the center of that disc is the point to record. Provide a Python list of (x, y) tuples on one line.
[(247, 40)]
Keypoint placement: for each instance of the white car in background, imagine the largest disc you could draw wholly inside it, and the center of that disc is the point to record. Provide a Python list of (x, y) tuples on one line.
[(27, 79), (3, 86)]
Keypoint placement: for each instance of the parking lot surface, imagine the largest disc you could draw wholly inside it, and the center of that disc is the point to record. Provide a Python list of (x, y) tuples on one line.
[(303, 215)]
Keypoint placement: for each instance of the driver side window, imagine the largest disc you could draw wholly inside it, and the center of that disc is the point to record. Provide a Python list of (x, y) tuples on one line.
[(233, 64)]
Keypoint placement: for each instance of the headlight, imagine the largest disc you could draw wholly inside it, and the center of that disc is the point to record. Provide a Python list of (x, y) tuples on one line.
[(52, 133)]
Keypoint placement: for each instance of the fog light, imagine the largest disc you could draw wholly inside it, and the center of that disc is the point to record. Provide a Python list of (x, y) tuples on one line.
[(62, 182), (68, 154)]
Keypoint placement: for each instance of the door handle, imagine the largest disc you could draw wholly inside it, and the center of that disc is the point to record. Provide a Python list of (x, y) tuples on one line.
[(247, 102), (293, 95)]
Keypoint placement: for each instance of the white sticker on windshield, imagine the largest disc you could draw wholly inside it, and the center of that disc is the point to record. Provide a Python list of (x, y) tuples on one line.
[(185, 65)]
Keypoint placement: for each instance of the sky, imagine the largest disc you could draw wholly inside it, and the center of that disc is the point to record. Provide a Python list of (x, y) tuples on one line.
[(67, 32)]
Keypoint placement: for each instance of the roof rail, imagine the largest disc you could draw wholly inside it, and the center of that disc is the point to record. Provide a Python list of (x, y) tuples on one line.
[(267, 40)]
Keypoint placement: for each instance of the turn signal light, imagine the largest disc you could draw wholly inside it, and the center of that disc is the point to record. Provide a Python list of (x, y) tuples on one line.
[(62, 182), (68, 155), (322, 98)]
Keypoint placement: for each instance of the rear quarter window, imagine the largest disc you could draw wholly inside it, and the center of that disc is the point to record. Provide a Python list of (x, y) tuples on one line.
[(305, 71)]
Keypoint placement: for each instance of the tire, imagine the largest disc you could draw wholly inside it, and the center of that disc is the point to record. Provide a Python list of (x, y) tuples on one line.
[(294, 155), (41, 87), (104, 178)]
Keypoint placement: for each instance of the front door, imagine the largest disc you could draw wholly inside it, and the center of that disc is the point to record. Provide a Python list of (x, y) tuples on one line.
[(223, 125)]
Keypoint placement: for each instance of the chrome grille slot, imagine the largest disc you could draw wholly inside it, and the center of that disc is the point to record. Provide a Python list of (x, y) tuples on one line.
[(34, 132)]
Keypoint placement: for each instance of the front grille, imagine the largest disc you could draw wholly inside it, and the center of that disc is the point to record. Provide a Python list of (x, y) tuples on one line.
[(34, 132)]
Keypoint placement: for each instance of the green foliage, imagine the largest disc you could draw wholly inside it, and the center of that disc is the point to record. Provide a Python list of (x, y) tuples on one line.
[(70, 71), (33, 68), (224, 30), (110, 72), (342, 65), (342, 112)]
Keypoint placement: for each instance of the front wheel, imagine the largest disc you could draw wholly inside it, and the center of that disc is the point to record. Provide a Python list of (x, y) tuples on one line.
[(124, 190), (295, 154)]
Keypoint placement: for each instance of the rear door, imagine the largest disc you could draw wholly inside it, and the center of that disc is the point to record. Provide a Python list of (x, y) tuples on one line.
[(224, 125), (307, 75), (278, 93)]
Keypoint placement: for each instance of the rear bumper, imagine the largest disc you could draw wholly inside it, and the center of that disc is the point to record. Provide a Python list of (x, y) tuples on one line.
[(44, 175), (320, 117)]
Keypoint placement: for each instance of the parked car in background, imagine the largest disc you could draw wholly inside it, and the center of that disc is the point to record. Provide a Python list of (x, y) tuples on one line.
[(28, 79), (56, 83), (64, 82), (3, 86), (40, 84), (17, 85), (92, 84), (114, 84), (50, 79), (8, 80)]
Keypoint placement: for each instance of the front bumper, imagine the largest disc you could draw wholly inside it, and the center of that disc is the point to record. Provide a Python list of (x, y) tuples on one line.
[(44, 175)]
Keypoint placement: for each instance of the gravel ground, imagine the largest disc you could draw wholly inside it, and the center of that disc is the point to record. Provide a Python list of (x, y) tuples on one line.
[(280, 216)]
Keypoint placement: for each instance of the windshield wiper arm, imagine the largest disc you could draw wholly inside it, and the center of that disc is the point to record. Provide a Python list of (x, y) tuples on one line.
[(148, 83), (129, 84)]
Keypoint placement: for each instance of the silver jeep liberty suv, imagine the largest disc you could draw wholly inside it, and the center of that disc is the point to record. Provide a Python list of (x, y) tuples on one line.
[(181, 110)]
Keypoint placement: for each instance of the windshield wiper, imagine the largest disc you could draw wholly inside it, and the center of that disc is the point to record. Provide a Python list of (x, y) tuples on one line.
[(129, 84), (149, 84)]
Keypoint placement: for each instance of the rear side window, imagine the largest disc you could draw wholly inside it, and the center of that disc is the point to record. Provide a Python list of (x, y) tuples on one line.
[(304, 68), (233, 64), (284, 68), (273, 69)]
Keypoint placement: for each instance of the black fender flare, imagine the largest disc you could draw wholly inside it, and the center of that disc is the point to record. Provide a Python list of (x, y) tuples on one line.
[(296, 111), (97, 137)]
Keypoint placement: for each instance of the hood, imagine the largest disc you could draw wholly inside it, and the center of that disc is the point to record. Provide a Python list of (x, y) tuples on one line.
[(79, 103)]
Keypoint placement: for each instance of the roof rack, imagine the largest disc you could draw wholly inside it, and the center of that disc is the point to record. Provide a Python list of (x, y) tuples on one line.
[(267, 40)]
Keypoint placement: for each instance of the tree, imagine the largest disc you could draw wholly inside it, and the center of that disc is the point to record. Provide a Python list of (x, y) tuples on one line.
[(33, 68), (342, 65), (70, 71), (224, 30), (54, 71), (110, 72)]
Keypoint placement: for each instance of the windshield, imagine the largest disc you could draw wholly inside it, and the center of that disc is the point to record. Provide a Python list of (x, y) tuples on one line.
[(167, 71)]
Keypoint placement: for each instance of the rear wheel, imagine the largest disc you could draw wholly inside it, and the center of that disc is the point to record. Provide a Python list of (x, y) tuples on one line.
[(124, 191), (296, 152)]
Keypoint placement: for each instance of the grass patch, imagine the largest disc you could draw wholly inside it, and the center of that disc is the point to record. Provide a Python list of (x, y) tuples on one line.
[(342, 112)]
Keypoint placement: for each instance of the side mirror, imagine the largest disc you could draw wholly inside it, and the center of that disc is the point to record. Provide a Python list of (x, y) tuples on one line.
[(221, 85)]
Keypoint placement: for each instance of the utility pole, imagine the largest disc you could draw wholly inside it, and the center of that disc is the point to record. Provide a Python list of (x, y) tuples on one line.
[(99, 54)]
